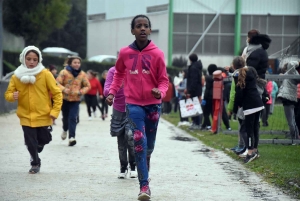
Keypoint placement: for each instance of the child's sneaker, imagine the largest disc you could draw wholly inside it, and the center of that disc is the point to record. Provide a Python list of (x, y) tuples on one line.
[(250, 158), (123, 173), (133, 173), (64, 135), (72, 141), (244, 154), (257, 153), (145, 193), (34, 169)]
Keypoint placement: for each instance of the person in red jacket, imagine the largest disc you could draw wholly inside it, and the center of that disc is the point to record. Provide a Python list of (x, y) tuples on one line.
[(167, 106), (91, 96)]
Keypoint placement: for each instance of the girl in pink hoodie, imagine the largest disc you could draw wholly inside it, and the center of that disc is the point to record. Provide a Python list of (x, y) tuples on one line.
[(266, 111), (141, 65)]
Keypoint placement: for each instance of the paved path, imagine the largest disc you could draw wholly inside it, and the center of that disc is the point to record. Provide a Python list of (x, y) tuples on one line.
[(88, 171)]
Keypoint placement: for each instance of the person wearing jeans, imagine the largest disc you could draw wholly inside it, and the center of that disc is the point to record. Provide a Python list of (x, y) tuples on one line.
[(69, 112), (144, 122), (290, 117), (288, 95), (141, 69), (73, 82)]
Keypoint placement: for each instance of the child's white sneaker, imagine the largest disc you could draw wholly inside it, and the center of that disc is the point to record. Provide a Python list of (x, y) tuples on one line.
[(72, 141), (64, 135), (133, 174), (123, 173)]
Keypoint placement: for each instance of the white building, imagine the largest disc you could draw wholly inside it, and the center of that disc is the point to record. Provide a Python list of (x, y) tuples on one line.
[(109, 21)]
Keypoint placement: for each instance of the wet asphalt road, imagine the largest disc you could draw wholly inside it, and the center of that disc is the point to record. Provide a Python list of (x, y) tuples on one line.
[(182, 168)]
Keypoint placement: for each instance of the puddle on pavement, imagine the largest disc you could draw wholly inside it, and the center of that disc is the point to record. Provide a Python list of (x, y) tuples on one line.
[(186, 139), (203, 150)]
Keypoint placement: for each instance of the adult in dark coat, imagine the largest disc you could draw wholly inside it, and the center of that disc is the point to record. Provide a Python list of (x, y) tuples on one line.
[(256, 54), (194, 84)]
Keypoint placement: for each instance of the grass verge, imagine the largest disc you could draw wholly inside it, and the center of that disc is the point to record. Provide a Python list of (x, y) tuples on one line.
[(278, 164)]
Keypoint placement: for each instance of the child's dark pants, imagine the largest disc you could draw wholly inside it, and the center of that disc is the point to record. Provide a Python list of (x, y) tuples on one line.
[(34, 137)]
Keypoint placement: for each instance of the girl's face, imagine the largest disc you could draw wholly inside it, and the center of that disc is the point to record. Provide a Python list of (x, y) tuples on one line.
[(54, 71), (90, 76), (76, 64), (31, 60), (104, 75), (141, 29)]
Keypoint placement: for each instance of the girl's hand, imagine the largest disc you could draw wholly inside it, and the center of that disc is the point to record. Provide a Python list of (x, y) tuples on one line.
[(156, 93), (110, 99), (66, 91), (16, 95), (53, 119)]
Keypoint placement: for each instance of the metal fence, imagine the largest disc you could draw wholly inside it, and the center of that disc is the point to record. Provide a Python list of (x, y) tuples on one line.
[(5, 106), (276, 126)]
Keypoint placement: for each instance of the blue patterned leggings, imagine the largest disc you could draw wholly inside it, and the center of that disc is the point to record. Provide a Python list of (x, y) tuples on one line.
[(143, 121)]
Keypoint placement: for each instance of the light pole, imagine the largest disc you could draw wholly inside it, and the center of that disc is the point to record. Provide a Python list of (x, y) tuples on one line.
[(170, 38), (1, 40)]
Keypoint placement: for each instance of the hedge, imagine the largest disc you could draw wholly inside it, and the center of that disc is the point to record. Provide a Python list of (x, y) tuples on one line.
[(12, 58)]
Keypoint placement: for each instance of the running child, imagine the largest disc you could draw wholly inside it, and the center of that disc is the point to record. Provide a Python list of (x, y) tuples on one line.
[(32, 81), (142, 68), (73, 83)]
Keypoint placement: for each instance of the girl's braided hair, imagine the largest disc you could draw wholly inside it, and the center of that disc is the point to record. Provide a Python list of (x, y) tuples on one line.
[(239, 63), (242, 77)]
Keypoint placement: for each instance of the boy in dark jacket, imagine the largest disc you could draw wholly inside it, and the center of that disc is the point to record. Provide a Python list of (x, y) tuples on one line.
[(194, 84)]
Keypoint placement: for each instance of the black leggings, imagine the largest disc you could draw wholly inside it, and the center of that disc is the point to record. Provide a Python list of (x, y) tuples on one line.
[(265, 114), (167, 107), (252, 129), (225, 117), (91, 102), (104, 108), (207, 111)]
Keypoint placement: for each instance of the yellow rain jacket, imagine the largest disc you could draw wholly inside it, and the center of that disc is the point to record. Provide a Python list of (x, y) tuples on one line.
[(34, 102)]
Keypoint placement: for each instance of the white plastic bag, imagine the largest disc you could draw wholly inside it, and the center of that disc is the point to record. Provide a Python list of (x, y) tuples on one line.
[(190, 107)]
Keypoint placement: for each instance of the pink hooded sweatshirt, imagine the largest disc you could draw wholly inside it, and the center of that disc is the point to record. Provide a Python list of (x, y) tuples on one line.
[(141, 71), (298, 91), (269, 88), (119, 100)]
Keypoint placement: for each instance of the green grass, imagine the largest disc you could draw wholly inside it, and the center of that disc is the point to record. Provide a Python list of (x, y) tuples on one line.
[(278, 164)]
